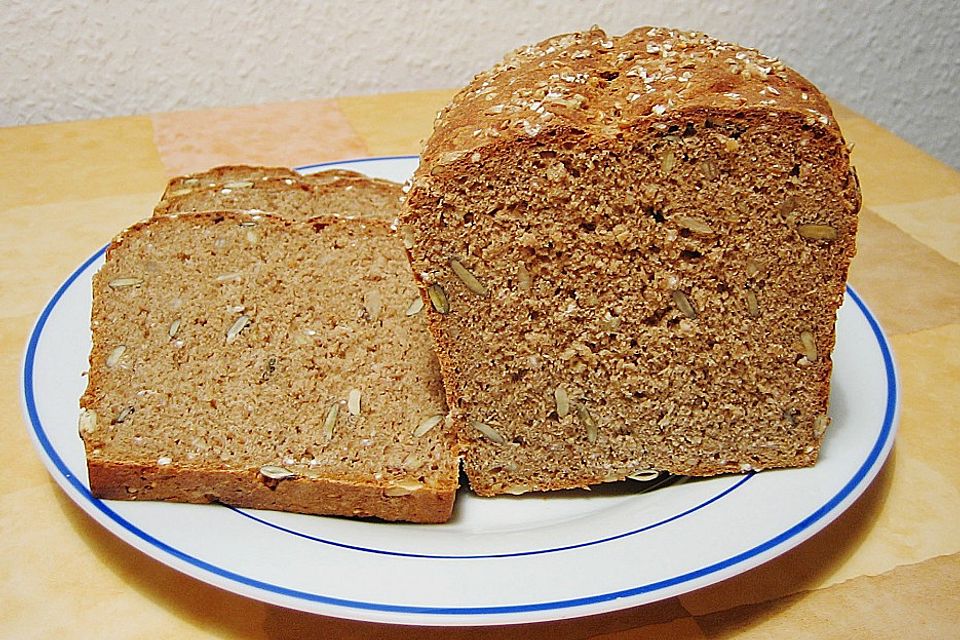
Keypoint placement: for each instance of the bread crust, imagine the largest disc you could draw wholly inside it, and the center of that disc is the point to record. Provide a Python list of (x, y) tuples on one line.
[(248, 488), (333, 191), (615, 83)]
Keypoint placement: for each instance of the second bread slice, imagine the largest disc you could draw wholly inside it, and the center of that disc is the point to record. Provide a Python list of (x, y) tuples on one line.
[(299, 197)]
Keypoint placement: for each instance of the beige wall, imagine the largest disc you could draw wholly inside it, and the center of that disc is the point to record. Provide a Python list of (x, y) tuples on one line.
[(896, 62)]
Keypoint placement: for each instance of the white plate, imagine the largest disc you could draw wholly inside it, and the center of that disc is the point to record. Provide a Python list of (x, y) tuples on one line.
[(502, 560)]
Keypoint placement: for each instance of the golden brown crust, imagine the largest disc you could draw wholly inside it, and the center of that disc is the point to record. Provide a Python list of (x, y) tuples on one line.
[(598, 84), (111, 480)]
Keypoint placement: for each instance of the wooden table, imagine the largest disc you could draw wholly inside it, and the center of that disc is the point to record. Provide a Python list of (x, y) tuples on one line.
[(888, 567)]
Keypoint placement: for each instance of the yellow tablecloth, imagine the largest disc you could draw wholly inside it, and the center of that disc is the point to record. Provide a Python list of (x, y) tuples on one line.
[(887, 568)]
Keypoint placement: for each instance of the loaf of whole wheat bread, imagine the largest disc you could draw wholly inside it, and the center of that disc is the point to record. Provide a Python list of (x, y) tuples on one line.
[(266, 361), (635, 248)]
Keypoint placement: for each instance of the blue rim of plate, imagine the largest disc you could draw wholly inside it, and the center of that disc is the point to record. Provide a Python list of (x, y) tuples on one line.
[(870, 465)]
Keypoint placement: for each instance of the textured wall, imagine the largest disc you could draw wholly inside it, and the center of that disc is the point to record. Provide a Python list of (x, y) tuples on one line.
[(896, 62)]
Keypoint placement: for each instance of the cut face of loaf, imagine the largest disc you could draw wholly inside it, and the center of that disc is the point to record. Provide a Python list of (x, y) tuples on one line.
[(279, 190), (265, 363), (635, 247)]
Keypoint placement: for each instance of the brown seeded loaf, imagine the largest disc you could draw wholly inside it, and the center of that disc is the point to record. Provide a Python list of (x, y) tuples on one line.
[(267, 363), (635, 248), (240, 187)]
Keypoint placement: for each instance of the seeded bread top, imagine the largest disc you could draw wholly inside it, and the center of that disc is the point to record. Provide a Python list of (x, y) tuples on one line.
[(225, 175), (220, 176), (602, 84), (331, 192)]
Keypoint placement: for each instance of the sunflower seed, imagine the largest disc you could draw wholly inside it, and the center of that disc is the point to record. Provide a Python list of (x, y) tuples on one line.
[(275, 472), (488, 432), (517, 489), (817, 231), (753, 268), (753, 307), (820, 424), (353, 402), (644, 475), (683, 303), (523, 278), (467, 278), (588, 422), (402, 488), (114, 358), (667, 160), (709, 170), (408, 240), (236, 328), (562, 400), (180, 192), (438, 298), (415, 307), (372, 304), (238, 184), (229, 277), (450, 157), (427, 425), (809, 345), (174, 328), (164, 460), (331, 420), (120, 283), (88, 420), (692, 223), (125, 413)]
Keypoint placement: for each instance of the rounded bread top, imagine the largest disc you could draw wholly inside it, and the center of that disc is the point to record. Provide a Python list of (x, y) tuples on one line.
[(596, 83)]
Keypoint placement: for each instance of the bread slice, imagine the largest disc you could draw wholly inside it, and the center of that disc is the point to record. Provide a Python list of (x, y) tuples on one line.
[(220, 176), (269, 189), (268, 363), (635, 248)]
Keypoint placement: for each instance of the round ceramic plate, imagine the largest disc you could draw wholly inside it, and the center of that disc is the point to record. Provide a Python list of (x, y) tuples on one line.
[(499, 560)]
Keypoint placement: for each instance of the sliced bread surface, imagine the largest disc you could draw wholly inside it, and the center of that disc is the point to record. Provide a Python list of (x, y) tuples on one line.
[(635, 248), (267, 363)]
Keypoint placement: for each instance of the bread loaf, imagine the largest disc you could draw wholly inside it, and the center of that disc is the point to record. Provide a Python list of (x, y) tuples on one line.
[(276, 189), (635, 248), (264, 362)]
